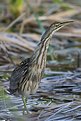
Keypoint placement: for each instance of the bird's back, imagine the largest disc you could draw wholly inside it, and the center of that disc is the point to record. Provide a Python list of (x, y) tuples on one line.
[(17, 76), (25, 78)]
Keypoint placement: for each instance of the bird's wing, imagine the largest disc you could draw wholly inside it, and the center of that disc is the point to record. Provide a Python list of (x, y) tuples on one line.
[(17, 74)]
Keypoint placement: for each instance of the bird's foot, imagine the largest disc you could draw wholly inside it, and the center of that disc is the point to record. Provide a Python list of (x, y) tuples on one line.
[(26, 111)]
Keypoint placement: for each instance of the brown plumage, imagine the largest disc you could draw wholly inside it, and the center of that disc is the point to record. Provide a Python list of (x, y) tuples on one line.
[(26, 76)]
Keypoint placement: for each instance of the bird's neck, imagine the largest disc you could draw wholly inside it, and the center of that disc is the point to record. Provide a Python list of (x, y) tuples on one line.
[(40, 52)]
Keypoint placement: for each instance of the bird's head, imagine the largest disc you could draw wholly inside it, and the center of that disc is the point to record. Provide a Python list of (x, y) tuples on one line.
[(53, 28)]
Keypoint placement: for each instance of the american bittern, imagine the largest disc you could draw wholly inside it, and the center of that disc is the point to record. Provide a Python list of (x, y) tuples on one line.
[(26, 76)]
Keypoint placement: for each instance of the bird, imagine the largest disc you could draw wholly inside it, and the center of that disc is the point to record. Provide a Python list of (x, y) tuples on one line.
[(26, 76)]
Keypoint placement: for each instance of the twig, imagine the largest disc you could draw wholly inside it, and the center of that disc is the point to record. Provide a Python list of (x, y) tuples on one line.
[(8, 54), (16, 20)]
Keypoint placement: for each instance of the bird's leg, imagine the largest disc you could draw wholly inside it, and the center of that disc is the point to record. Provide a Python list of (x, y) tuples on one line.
[(24, 102), (26, 99)]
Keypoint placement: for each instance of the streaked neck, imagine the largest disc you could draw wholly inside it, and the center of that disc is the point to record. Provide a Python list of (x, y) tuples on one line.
[(40, 52)]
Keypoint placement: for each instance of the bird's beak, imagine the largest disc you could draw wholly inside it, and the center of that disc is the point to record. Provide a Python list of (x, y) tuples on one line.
[(66, 23)]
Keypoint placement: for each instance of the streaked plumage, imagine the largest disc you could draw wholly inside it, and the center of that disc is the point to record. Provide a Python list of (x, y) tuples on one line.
[(26, 76)]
